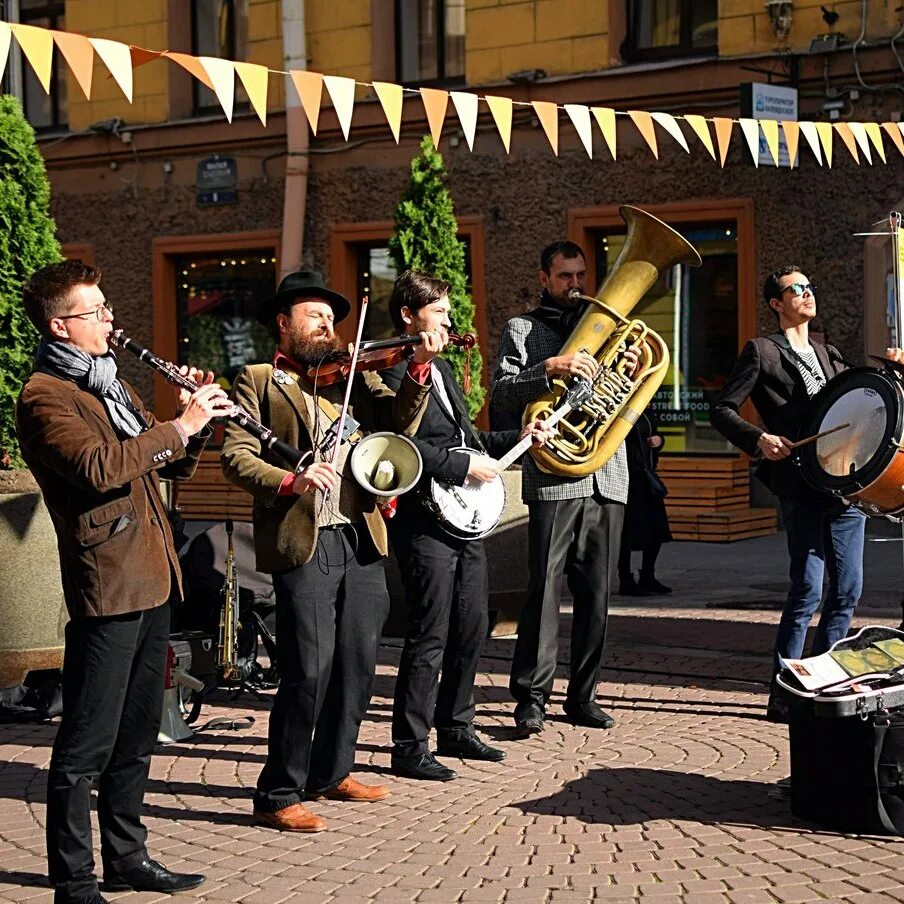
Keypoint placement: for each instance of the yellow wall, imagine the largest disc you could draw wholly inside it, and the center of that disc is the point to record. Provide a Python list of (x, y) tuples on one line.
[(339, 36)]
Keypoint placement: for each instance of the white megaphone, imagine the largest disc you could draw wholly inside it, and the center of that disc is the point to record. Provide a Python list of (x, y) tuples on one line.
[(386, 464), (173, 727)]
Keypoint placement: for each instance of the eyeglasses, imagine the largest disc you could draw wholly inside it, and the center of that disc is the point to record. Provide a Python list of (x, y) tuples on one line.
[(106, 307), (798, 288)]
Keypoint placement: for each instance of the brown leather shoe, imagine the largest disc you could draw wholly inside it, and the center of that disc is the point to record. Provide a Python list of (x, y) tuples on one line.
[(349, 789), (296, 818)]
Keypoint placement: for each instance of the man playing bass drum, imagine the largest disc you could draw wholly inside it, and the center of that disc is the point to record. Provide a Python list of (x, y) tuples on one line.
[(780, 373), (445, 577)]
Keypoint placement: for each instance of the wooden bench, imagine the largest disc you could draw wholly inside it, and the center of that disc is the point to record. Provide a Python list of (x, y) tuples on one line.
[(209, 496)]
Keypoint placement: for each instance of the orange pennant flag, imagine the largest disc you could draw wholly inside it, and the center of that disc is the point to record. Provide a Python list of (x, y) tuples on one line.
[(309, 86), (256, 79), (118, 59), (824, 131), (5, 36), (847, 136), (770, 133), (140, 55), (79, 55), (342, 93), (548, 114), (723, 128), (605, 119), (644, 123), (192, 65), (37, 45), (435, 103), (895, 134), (791, 128), (501, 108), (390, 96), (701, 128), (222, 77)]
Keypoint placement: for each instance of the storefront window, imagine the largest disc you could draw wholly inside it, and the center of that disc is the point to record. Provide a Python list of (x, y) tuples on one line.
[(217, 295), (695, 310)]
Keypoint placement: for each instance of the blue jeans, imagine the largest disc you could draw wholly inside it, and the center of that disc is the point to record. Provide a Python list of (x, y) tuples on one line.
[(821, 534)]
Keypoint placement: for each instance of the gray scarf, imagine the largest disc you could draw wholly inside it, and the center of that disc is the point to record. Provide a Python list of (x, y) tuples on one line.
[(95, 374)]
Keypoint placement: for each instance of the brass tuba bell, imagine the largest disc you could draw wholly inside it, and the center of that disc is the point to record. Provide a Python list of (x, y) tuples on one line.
[(589, 435)]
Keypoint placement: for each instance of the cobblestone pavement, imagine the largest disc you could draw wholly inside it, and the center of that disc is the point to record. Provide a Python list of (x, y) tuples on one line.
[(677, 804)]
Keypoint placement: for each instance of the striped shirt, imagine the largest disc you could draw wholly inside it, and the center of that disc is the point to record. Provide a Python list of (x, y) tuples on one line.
[(810, 369)]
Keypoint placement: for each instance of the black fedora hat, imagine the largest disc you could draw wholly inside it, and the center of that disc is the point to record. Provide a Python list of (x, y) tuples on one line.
[(298, 286)]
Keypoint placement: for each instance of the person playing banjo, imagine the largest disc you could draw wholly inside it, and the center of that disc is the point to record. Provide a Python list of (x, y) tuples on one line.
[(445, 576), (780, 373)]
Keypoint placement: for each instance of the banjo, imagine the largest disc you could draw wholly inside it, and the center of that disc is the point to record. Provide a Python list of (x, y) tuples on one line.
[(471, 511)]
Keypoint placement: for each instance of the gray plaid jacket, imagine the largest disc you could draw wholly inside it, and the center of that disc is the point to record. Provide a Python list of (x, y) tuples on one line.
[(519, 379)]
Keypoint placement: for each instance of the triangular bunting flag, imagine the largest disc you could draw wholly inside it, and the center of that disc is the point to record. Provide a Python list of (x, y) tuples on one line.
[(37, 45), (390, 96), (140, 56), (875, 136), (5, 36), (860, 136), (770, 133), (824, 131), (118, 59), (501, 108), (191, 65), (79, 55), (466, 107), (256, 79), (222, 76), (435, 104), (701, 129), (548, 114), (808, 130), (791, 128), (605, 119), (644, 123), (342, 93), (847, 136), (669, 123), (895, 134), (751, 130), (724, 128), (309, 86), (580, 118)]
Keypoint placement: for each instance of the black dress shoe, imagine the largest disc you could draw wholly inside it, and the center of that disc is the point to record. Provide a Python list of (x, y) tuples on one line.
[(529, 718), (421, 766), (651, 585), (627, 586), (149, 875), (468, 747), (590, 715)]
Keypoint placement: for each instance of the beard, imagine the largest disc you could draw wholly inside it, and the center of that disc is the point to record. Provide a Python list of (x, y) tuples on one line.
[(311, 350)]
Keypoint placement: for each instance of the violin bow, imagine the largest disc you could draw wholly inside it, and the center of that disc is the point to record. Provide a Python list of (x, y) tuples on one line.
[(348, 383)]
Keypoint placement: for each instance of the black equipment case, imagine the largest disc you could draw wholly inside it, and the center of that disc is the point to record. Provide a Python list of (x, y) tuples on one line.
[(847, 749)]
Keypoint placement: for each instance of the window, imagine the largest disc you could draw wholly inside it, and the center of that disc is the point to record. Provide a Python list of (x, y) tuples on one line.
[(219, 28), (430, 40), (695, 311), (664, 29), (45, 112)]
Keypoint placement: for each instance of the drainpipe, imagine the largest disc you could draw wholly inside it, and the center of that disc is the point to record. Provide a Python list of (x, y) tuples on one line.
[(296, 191), (14, 70)]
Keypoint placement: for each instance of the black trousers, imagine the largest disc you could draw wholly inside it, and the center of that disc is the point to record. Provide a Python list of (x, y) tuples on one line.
[(446, 590), (329, 614), (113, 675), (579, 538)]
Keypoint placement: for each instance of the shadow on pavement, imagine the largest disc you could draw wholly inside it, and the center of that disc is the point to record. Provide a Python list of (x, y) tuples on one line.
[(27, 880)]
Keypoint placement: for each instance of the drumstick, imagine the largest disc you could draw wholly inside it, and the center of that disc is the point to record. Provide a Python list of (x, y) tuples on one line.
[(811, 439)]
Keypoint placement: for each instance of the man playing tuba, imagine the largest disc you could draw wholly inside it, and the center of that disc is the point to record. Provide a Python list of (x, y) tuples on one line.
[(575, 522)]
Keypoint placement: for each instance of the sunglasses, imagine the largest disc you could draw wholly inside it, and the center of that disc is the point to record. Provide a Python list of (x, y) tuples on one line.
[(798, 288)]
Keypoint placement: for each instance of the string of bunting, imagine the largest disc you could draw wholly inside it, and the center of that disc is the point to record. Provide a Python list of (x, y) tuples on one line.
[(219, 75)]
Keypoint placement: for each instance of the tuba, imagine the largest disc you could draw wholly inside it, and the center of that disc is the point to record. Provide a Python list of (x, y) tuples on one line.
[(589, 435)]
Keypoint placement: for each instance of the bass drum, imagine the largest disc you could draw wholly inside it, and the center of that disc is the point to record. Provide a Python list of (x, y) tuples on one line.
[(862, 463)]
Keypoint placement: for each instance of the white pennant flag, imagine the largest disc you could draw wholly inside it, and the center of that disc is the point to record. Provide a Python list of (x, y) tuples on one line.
[(222, 76), (466, 107), (342, 93), (667, 121), (580, 118)]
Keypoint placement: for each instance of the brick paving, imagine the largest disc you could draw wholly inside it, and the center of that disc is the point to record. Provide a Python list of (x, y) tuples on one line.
[(677, 804)]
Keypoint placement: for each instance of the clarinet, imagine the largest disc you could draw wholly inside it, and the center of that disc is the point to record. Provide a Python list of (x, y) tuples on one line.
[(241, 417)]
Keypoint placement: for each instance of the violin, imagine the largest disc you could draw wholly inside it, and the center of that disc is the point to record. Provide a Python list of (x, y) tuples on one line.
[(379, 354)]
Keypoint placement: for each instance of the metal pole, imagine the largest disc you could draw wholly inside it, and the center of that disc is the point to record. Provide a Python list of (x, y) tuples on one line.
[(894, 227)]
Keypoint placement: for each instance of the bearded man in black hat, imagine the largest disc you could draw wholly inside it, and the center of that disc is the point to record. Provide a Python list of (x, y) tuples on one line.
[(323, 539)]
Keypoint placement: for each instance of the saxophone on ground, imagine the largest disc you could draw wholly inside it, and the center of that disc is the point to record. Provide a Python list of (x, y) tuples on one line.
[(227, 647), (589, 435)]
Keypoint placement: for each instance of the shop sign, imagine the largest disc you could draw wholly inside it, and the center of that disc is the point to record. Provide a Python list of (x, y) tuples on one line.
[(777, 102), (217, 181)]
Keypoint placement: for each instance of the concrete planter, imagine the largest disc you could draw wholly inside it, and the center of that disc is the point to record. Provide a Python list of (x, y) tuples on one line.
[(32, 611)]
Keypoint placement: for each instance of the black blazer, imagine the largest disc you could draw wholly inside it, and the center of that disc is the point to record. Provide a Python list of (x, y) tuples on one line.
[(440, 431), (767, 374)]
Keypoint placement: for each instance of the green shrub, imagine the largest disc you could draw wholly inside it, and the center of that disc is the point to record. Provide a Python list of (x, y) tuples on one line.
[(426, 239)]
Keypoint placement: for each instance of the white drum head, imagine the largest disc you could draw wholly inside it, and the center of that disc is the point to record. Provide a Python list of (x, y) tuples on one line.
[(852, 449)]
